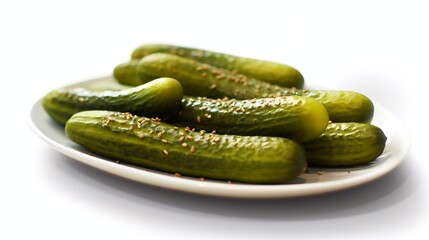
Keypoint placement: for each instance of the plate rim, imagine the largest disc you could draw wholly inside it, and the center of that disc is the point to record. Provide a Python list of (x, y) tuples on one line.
[(224, 189)]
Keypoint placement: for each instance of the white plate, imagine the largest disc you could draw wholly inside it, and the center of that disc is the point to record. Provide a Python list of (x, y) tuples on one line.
[(317, 181)]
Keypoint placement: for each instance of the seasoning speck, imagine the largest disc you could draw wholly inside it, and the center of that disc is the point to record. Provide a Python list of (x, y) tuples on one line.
[(160, 134), (106, 123)]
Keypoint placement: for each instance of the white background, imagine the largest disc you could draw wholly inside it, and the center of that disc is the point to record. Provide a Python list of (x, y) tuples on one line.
[(379, 48)]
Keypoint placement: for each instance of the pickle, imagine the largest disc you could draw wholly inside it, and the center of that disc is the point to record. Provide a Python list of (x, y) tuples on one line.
[(346, 144), (153, 144), (272, 72), (298, 118), (157, 98)]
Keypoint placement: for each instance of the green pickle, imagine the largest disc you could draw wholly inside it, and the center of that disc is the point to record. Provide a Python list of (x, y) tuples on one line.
[(272, 72), (298, 118), (147, 142), (157, 98), (345, 145)]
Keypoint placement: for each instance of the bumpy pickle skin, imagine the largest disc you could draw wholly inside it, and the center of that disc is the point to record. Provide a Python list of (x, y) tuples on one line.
[(153, 144), (346, 145), (267, 71), (298, 118), (200, 79), (159, 97)]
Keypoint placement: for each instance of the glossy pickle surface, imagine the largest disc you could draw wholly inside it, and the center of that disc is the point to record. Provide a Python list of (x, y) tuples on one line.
[(157, 98), (268, 71), (150, 143), (200, 79)]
